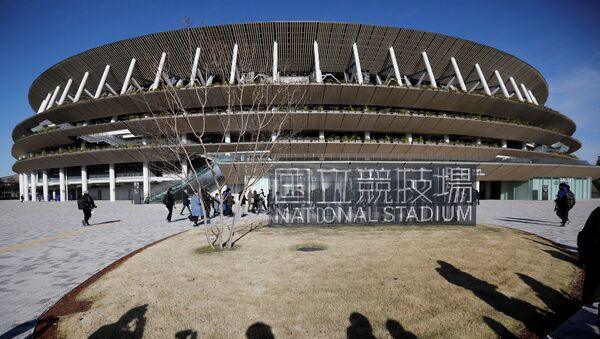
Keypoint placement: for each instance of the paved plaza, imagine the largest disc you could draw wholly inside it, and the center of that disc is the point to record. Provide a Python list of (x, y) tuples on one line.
[(45, 252)]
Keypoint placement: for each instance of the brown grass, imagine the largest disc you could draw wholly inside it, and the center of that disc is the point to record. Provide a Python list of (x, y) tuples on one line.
[(468, 282)]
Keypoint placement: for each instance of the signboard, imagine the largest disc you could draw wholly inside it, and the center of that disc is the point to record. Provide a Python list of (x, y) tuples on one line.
[(374, 195)]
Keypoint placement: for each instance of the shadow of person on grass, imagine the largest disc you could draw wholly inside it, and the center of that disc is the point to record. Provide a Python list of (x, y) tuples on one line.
[(515, 308), (259, 330), (130, 325), (186, 334), (563, 256), (498, 328), (397, 331)]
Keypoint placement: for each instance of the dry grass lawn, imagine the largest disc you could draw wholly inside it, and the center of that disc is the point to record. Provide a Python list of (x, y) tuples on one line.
[(467, 282)]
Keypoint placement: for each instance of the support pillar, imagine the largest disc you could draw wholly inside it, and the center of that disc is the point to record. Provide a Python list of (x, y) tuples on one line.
[(33, 184), (486, 88), (367, 135), (447, 138), (273, 136), (184, 168), (25, 187), (429, 70), (161, 64), (275, 72), (112, 182), (233, 64), (20, 185), (128, 77), (84, 179), (227, 137), (478, 141), (52, 98), (526, 93), (461, 81), (533, 99), (524, 146), (409, 137), (395, 66), (504, 143), (318, 74), (45, 185), (516, 88), (61, 183), (81, 87), (145, 180), (321, 135), (359, 76), (501, 83), (195, 66), (65, 92), (102, 82)]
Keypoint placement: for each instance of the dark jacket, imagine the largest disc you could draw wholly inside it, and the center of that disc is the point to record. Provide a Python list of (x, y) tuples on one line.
[(88, 202), (186, 199), (169, 199), (588, 241)]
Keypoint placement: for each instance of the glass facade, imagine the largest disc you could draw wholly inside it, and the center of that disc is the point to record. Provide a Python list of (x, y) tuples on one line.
[(544, 188)]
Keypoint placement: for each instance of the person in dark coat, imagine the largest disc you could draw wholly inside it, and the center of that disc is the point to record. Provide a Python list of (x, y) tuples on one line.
[(561, 207), (169, 201), (87, 203), (185, 201), (588, 248)]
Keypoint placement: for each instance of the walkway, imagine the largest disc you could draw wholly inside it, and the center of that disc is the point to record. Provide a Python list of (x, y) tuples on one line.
[(45, 252)]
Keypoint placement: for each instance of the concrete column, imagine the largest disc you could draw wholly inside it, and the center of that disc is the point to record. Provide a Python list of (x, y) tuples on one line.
[(227, 137), (84, 179), (20, 185), (146, 180), (184, 168), (25, 187), (486, 89), (524, 146), (112, 182), (477, 185), (273, 136), (33, 184), (446, 138), (367, 135), (409, 137), (45, 185), (61, 183), (504, 144), (478, 141), (429, 70), (321, 135)]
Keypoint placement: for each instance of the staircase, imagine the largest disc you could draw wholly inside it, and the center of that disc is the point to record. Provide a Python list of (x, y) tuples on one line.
[(203, 177)]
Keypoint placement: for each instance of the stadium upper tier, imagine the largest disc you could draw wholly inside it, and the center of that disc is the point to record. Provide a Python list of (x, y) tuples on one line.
[(355, 78)]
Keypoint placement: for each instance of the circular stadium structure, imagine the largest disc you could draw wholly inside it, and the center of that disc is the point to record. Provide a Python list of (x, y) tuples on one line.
[(370, 94)]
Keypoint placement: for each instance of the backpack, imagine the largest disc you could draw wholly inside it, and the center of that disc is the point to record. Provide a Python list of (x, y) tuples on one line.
[(80, 203), (570, 199)]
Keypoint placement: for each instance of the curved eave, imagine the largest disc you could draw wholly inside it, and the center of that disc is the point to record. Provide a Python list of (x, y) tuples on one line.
[(295, 41), (350, 122), (315, 94), (443, 152)]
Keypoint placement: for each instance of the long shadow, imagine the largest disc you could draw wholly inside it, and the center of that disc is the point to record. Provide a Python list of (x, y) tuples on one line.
[(397, 331), (549, 244), (105, 222), (515, 308), (130, 325), (498, 328), (563, 256), (530, 222), (19, 329), (557, 301), (186, 334), (259, 330), (179, 219)]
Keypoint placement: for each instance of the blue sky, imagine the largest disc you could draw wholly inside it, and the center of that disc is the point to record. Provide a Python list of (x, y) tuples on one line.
[(559, 38)]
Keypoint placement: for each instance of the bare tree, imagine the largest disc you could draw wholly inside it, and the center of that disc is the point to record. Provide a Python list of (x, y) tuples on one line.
[(236, 140)]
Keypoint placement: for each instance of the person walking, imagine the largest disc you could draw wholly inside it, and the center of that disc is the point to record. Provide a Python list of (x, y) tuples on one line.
[(185, 201), (263, 197), (169, 202), (243, 200), (588, 248), (216, 205), (22, 198), (565, 200), (196, 213), (86, 203)]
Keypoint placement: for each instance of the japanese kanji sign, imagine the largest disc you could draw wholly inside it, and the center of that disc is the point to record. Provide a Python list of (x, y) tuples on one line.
[(407, 194)]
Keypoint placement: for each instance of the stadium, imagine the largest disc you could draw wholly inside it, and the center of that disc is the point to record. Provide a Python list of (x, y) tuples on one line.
[(371, 95)]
